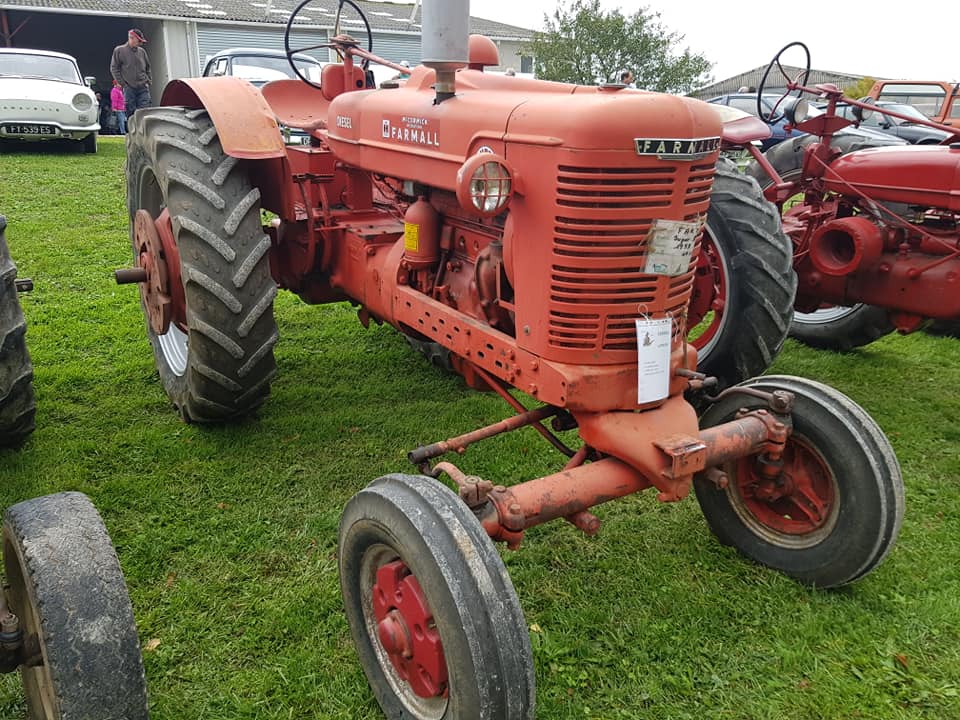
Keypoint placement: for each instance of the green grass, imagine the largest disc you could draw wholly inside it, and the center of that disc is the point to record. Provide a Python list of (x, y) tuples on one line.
[(227, 536)]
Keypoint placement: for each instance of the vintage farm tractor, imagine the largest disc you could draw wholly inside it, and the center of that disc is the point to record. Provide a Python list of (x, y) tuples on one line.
[(546, 236), (875, 230), (65, 618)]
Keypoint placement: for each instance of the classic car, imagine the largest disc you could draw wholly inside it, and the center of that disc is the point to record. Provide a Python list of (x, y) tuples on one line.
[(44, 97)]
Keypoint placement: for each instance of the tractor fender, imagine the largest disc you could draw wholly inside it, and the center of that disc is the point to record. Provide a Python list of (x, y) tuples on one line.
[(245, 123)]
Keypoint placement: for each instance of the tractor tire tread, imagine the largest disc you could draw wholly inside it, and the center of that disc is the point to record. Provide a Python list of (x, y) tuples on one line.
[(224, 257)]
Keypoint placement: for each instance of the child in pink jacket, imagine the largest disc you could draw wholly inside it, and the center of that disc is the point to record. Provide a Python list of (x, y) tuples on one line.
[(119, 107)]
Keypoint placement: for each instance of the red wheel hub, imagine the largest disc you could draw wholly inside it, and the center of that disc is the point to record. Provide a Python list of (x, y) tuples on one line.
[(799, 500), (406, 630), (162, 291), (709, 292)]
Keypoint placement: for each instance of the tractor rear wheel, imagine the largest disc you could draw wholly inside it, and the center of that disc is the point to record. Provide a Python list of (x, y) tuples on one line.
[(215, 360), (65, 585), (17, 404), (828, 328), (744, 286), (836, 508), (434, 616)]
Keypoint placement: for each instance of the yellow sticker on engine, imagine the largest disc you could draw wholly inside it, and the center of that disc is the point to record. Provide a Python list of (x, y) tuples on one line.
[(411, 237)]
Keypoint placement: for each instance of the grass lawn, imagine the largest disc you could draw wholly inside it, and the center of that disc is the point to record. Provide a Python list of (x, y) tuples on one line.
[(227, 536)]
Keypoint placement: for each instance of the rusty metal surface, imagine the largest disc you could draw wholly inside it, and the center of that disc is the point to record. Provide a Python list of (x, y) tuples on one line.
[(245, 123)]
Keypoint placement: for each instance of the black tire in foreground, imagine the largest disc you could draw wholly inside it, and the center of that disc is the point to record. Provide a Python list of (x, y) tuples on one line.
[(830, 328), (220, 368), (750, 270), (17, 404), (66, 586), (836, 510), (434, 616)]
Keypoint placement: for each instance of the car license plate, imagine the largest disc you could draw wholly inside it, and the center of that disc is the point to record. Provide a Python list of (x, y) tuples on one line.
[(30, 129)]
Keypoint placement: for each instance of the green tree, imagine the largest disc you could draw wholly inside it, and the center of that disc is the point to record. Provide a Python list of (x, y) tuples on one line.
[(860, 88), (583, 44)]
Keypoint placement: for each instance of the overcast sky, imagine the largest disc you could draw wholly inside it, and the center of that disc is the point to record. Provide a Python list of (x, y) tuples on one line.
[(887, 39)]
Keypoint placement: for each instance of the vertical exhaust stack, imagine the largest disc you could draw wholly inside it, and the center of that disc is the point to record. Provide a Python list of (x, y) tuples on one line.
[(445, 25)]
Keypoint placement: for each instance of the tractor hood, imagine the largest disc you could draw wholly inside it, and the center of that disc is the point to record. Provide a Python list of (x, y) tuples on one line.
[(402, 132), (925, 175)]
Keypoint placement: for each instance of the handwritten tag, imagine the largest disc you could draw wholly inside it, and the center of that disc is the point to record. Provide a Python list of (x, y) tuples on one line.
[(670, 245), (653, 359)]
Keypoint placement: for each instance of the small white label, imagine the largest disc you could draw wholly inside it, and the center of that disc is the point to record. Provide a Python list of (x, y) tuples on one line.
[(670, 245), (653, 359)]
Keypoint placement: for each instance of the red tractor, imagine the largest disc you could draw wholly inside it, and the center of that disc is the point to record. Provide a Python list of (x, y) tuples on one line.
[(546, 236), (875, 230)]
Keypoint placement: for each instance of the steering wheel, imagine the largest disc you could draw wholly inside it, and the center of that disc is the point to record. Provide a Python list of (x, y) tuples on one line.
[(774, 116), (290, 52)]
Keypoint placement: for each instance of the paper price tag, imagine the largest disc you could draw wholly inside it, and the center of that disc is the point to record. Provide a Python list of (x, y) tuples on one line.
[(669, 246), (653, 359)]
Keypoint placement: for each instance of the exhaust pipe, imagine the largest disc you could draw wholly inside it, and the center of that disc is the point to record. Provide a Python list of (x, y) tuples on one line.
[(445, 48), (841, 247)]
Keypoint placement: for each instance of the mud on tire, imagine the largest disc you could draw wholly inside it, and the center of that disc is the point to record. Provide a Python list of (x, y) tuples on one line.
[(220, 368), (17, 404), (66, 586)]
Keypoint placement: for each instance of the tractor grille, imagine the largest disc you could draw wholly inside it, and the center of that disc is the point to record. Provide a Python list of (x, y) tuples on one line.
[(598, 287)]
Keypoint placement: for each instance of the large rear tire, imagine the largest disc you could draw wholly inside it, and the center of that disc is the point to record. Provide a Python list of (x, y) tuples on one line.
[(219, 366), (66, 587), (17, 404), (835, 510), (744, 290), (829, 328), (434, 616)]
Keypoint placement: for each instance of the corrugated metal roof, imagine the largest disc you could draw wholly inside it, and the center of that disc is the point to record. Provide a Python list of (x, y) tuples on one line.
[(382, 16)]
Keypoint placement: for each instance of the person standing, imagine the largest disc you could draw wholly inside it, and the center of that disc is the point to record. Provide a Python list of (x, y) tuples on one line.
[(130, 67), (119, 105)]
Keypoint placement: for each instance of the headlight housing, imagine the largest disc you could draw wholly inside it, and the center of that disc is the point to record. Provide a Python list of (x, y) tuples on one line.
[(81, 102), (485, 184)]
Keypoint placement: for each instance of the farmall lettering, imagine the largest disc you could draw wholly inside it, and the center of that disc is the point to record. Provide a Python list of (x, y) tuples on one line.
[(411, 130)]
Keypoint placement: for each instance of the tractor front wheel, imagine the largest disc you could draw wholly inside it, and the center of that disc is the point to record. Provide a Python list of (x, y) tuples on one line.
[(833, 511), (434, 616), (17, 404), (744, 285), (207, 252), (81, 654)]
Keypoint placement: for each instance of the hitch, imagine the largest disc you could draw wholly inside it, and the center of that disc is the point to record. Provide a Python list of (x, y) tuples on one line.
[(23, 284)]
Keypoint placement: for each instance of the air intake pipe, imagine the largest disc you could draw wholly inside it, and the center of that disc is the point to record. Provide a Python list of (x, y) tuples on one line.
[(445, 34), (841, 247)]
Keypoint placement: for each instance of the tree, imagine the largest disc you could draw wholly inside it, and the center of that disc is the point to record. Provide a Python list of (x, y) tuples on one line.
[(583, 44), (860, 88)]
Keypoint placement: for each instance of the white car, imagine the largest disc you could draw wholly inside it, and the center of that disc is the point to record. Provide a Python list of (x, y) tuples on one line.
[(43, 97)]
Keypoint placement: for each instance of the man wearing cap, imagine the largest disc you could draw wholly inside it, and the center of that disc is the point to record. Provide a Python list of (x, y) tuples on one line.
[(130, 67)]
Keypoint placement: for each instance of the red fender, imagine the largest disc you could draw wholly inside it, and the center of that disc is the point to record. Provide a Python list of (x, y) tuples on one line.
[(244, 121)]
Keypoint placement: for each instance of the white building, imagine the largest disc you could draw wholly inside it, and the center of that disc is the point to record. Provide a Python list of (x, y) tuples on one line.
[(181, 34)]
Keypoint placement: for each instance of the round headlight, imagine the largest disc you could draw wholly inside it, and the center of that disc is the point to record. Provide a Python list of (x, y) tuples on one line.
[(485, 184), (797, 110), (81, 102)]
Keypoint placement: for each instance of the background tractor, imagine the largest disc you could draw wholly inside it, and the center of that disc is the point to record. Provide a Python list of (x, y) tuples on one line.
[(65, 617), (547, 238), (875, 225)]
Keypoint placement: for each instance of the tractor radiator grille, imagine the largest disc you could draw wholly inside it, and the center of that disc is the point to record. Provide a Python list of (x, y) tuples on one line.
[(598, 287)]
